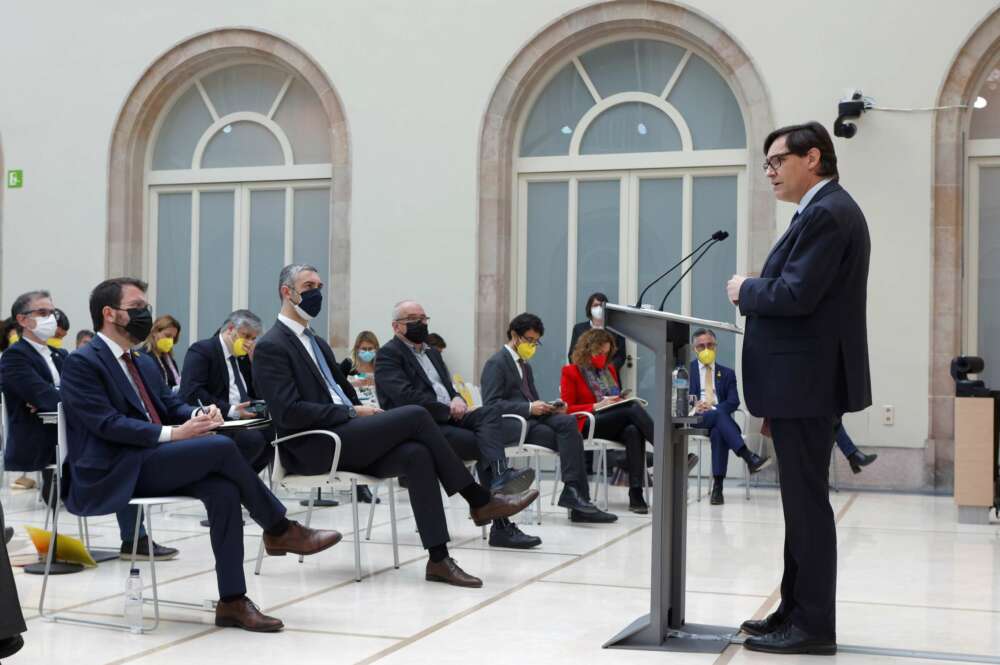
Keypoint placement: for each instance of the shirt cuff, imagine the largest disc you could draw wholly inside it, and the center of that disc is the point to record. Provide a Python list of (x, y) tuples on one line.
[(234, 413), (166, 433)]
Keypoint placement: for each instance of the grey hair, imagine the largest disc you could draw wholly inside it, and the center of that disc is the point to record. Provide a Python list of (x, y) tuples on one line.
[(397, 309), (242, 319), (290, 272), (20, 305), (703, 331)]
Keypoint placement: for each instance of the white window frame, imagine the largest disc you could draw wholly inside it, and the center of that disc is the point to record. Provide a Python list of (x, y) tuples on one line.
[(982, 153)]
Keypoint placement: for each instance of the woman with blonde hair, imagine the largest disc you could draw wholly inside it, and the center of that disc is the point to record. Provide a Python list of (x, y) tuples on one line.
[(359, 367), (160, 344)]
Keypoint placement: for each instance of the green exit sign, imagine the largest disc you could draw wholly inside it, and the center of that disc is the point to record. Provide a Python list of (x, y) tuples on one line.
[(15, 179)]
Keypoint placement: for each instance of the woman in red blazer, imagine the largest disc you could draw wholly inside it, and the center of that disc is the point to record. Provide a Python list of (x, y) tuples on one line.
[(591, 381)]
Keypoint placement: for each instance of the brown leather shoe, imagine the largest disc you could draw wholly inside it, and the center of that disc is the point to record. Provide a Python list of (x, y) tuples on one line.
[(242, 613), (447, 571), (502, 505), (298, 539)]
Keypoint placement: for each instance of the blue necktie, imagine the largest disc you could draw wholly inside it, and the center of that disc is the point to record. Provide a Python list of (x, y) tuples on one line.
[(324, 369)]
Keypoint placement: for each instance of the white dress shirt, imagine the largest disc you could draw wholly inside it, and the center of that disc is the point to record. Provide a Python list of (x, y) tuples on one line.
[(46, 353), (300, 332), (234, 390), (810, 194), (513, 354), (704, 384), (167, 431)]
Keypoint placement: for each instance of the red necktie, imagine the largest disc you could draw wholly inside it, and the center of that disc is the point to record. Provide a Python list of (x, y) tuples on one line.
[(154, 417)]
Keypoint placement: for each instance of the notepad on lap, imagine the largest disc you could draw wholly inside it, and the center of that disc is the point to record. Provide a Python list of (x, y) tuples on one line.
[(615, 405)]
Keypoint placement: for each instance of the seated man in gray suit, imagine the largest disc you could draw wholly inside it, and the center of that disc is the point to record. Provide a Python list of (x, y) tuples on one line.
[(508, 382)]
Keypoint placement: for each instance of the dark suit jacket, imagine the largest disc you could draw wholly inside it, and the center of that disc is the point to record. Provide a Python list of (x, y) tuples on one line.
[(618, 359), (501, 384), (400, 380), (206, 377), (165, 373), (726, 393), (298, 397), (805, 351), (30, 445), (108, 435)]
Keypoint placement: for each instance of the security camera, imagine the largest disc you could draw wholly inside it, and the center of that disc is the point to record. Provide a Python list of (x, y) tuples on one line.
[(849, 108)]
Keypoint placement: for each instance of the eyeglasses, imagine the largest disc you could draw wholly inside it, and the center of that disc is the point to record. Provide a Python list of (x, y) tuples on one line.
[(422, 319), (774, 162), (534, 342), (41, 312)]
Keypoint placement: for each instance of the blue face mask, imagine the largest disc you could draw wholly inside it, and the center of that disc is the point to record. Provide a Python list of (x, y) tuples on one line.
[(366, 356)]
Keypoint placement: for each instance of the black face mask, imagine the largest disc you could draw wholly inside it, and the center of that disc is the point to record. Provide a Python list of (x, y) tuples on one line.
[(312, 302), (416, 332), (140, 322)]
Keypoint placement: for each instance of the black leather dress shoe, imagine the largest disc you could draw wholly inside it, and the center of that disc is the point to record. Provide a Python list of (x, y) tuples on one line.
[(598, 516), (10, 645), (717, 499), (858, 459), (512, 481), (160, 552), (757, 463), (505, 533), (365, 495), (792, 639), (768, 624), (572, 499), (637, 502), (8, 534)]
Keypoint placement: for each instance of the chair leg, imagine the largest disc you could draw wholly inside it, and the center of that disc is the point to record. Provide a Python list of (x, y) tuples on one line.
[(152, 566), (371, 512), (555, 481), (309, 514), (701, 462), (357, 530), (746, 480), (260, 556), (538, 485), (604, 475), (49, 557), (392, 521)]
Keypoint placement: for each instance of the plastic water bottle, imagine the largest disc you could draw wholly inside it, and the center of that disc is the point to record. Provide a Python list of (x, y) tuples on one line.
[(133, 601), (679, 392)]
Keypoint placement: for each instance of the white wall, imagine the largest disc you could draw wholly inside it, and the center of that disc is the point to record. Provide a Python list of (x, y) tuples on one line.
[(415, 78)]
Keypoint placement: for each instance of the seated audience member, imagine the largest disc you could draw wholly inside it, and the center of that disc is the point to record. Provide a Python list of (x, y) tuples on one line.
[(509, 383), (855, 457), (11, 618), (359, 367), (296, 372), (591, 383), (217, 371), (595, 321), (407, 371), (34, 378), (62, 329), (83, 337), (10, 332), (130, 436), (714, 386), (160, 344), (435, 341)]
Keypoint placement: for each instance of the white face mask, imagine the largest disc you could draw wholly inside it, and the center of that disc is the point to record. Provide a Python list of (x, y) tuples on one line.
[(597, 312), (45, 328)]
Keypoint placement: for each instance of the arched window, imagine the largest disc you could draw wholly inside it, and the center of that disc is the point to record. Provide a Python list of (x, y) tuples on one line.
[(630, 155), (983, 239), (239, 184)]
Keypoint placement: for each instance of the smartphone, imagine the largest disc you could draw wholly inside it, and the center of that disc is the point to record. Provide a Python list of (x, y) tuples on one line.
[(558, 404), (626, 394)]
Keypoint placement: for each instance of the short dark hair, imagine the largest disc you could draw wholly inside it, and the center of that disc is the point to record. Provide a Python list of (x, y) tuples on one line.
[(591, 299), (62, 320), (109, 294), (23, 301), (800, 139), (703, 331), (83, 333), (524, 322)]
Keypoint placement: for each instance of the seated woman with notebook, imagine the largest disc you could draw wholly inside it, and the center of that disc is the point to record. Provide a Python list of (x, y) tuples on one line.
[(591, 383)]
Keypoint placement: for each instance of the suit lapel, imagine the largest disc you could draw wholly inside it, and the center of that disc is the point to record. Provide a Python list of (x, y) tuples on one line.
[(117, 374), (297, 348), (514, 375), (413, 362)]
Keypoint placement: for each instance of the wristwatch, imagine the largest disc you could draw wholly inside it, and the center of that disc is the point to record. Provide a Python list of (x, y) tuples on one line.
[(351, 411)]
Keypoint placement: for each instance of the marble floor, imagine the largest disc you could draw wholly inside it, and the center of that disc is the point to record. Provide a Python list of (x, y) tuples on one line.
[(914, 587)]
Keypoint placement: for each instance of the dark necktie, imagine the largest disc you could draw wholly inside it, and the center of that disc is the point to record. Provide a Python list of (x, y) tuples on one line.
[(526, 380), (140, 387), (324, 368), (57, 361), (238, 378)]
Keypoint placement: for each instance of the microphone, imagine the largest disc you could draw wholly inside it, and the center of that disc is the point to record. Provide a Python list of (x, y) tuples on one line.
[(717, 236)]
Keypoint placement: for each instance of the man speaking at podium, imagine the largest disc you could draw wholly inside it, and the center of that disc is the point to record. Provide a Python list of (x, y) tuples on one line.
[(805, 364)]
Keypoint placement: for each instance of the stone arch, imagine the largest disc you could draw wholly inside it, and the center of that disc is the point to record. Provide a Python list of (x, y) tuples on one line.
[(525, 72), (147, 100), (971, 64)]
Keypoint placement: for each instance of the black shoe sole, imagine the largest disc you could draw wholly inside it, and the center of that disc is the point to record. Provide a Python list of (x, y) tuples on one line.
[(812, 650), (717, 502), (10, 646), (768, 461), (230, 623), (639, 510), (592, 519), (437, 578), (517, 546), (517, 485)]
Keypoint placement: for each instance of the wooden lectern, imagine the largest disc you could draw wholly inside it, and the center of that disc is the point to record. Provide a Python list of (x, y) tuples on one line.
[(664, 628)]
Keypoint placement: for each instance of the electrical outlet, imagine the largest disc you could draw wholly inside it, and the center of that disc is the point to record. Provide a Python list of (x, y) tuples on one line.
[(888, 415)]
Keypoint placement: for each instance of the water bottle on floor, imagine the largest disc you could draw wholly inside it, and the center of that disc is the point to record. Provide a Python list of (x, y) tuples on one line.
[(679, 392), (133, 601)]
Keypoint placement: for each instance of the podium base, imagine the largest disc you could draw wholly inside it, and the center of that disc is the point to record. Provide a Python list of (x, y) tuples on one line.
[(692, 638)]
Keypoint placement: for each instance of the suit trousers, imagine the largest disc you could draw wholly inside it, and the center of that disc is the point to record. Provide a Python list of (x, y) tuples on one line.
[(809, 584), (255, 447), (724, 435), (560, 433), (11, 618), (486, 424), (632, 426), (407, 442), (844, 442), (211, 469)]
